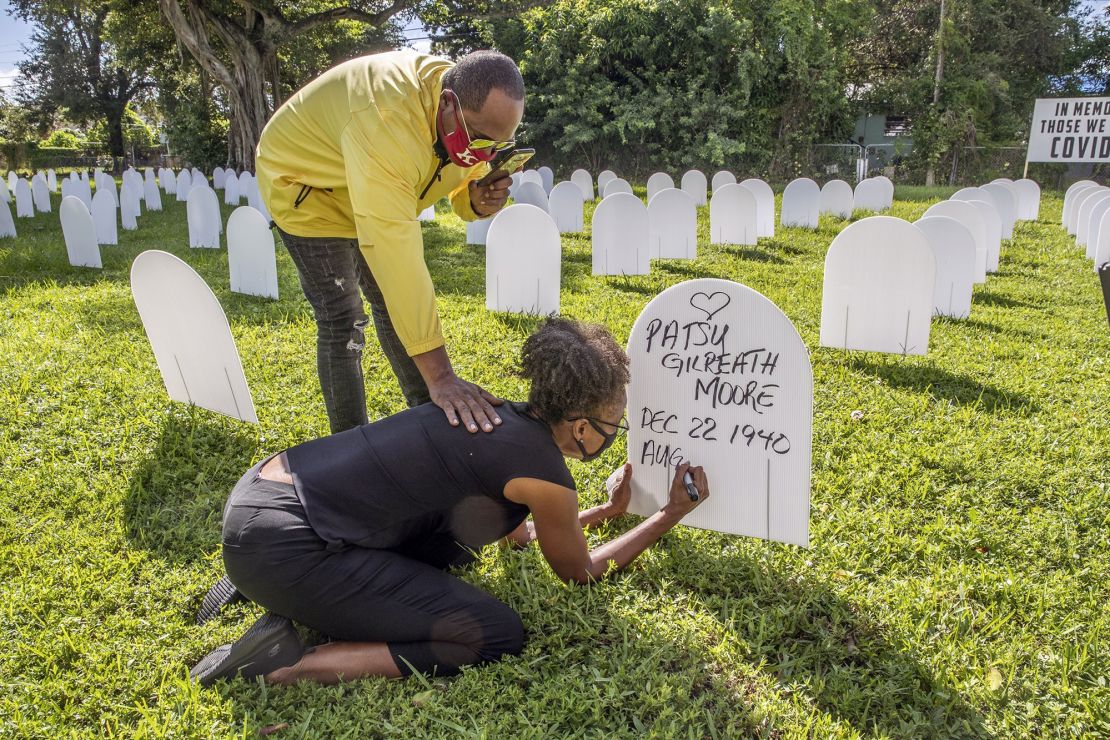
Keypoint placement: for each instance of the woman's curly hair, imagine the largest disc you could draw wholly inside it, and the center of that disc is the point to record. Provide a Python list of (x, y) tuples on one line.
[(574, 368)]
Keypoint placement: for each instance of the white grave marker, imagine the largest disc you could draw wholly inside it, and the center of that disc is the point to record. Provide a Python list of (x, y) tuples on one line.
[(800, 204), (231, 189), (837, 199), (1101, 251), (567, 206), (1006, 204), (24, 200), (970, 216), (250, 254), (1072, 190), (476, 231), (104, 218), (7, 223), (203, 215), (765, 202), (40, 193), (184, 185), (1083, 214), (724, 177), (880, 275), (657, 183), (1072, 207), (871, 194), (1029, 198), (620, 236), (673, 225), (585, 183), (151, 196), (523, 254), (79, 233), (130, 201), (5, 194), (954, 249), (617, 185), (52, 180), (219, 177), (428, 214), (190, 336), (733, 216), (531, 193), (532, 176), (547, 178), (721, 379), (1094, 225), (603, 180), (694, 183)]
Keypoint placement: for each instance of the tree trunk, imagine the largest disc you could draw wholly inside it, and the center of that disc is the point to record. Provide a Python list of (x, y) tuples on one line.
[(114, 120), (930, 176)]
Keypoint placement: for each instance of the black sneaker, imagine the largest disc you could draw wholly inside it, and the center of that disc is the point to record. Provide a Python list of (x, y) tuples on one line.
[(219, 596), (269, 644)]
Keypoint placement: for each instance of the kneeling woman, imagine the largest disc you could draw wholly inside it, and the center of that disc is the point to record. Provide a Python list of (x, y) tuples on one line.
[(351, 534)]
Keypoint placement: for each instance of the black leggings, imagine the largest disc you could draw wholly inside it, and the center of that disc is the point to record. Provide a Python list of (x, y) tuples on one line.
[(431, 621)]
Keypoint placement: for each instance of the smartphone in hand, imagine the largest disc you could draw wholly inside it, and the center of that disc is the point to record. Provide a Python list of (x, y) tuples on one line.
[(510, 164)]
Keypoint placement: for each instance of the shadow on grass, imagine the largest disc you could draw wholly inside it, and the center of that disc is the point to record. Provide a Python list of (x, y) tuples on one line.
[(175, 499), (686, 269), (943, 385), (986, 298), (810, 639), (754, 254)]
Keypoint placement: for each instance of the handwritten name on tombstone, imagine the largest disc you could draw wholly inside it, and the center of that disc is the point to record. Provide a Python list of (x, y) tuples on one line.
[(721, 378)]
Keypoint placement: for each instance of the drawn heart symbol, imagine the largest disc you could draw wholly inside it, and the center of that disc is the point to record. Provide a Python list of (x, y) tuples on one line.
[(710, 303)]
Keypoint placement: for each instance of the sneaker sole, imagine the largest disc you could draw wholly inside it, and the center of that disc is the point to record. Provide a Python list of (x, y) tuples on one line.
[(228, 661), (219, 596)]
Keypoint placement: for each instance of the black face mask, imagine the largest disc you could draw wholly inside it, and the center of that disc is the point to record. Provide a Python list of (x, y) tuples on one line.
[(609, 440)]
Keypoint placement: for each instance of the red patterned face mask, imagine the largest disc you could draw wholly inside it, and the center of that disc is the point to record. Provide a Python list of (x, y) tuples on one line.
[(460, 148)]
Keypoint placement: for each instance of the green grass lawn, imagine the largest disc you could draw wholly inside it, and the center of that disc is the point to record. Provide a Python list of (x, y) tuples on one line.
[(956, 584)]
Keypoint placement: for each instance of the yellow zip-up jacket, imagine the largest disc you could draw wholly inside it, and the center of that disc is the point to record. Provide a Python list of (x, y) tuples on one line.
[(362, 136)]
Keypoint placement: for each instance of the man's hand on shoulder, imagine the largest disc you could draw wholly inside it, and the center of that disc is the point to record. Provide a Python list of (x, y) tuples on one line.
[(487, 200)]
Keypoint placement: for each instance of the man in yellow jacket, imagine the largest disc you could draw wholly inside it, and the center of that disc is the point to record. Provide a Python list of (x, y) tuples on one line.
[(344, 167)]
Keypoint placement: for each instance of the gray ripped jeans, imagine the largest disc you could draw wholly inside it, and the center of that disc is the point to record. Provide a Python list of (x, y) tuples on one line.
[(332, 270)]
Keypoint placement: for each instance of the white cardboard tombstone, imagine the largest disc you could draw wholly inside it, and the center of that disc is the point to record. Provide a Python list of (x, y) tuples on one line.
[(231, 190), (515, 180), (721, 379), (620, 236), (724, 177), (694, 183), (523, 254), (79, 233), (617, 185), (24, 200), (203, 215), (1072, 190), (12, 177), (1006, 204), (837, 199), (184, 185), (190, 336), (7, 223), (672, 225), (870, 195), (733, 216), (169, 181), (880, 275), (428, 214), (968, 215), (219, 177), (104, 218), (130, 200), (52, 180), (1101, 251), (83, 190), (585, 182), (1094, 225), (151, 196), (955, 253), (888, 191), (1082, 215), (1077, 200), (40, 193), (657, 183), (993, 226), (5, 194), (801, 200), (531, 193), (603, 180), (547, 178), (532, 176), (477, 230), (1029, 197), (567, 207), (198, 175), (250, 254), (765, 202)]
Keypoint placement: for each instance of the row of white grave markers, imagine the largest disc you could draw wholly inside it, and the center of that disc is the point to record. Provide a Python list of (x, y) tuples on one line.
[(1086, 215)]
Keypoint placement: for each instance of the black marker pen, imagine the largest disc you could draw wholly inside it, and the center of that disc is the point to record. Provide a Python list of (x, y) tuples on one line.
[(691, 489)]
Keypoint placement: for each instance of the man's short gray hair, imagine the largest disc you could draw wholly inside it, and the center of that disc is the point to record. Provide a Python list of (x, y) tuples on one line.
[(481, 71)]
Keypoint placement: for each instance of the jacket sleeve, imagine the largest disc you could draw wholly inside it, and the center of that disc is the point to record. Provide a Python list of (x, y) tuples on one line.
[(379, 182)]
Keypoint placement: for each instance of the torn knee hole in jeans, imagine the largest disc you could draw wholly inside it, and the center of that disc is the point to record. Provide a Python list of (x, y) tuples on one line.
[(360, 326)]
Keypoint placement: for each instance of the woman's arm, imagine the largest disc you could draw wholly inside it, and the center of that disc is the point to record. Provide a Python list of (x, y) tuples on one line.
[(555, 518), (620, 493)]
